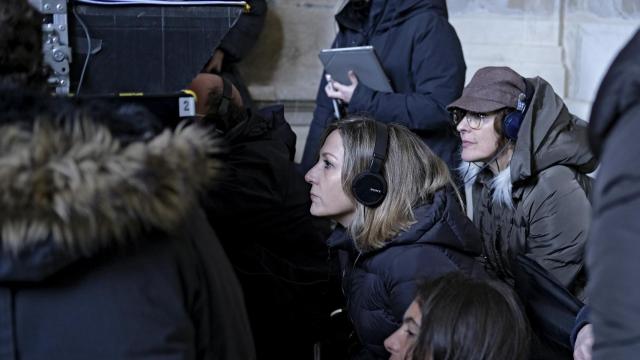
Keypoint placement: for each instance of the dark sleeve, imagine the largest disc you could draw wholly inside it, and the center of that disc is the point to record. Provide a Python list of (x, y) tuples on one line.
[(438, 69), (219, 313), (559, 224), (255, 183), (243, 35), (613, 252), (582, 319)]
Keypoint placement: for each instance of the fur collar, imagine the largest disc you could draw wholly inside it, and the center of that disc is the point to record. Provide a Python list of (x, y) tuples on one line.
[(500, 185), (79, 187)]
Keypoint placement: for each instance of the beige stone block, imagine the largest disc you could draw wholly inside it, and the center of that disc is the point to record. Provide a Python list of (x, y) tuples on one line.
[(501, 29), (507, 7), (618, 9), (285, 65)]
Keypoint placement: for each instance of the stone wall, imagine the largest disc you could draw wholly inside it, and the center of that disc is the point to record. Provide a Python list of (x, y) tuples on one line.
[(568, 42)]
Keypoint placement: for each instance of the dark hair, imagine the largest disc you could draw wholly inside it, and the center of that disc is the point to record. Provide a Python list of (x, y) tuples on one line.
[(21, 45), (465, 318)]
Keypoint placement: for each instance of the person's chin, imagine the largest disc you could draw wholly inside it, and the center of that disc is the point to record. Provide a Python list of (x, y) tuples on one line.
[(470, 157), (315, 211)]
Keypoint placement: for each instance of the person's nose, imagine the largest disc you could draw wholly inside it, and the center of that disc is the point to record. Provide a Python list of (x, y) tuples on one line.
[(463, 126), (392, 342), (310, 177)]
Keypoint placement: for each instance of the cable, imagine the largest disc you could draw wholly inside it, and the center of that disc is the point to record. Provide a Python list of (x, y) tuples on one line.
[(86, 60)]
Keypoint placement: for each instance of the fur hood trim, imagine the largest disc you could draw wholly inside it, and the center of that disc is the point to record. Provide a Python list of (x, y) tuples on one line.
[(81, 188), (500, 185)]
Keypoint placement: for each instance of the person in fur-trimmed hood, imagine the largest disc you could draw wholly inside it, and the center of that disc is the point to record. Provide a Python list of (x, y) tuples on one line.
[(104, 250), (527, 159)]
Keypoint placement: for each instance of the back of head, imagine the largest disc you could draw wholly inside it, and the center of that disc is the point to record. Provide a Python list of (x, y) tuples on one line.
[(465, 318), (218, 101), (413, 173), (21, 63)]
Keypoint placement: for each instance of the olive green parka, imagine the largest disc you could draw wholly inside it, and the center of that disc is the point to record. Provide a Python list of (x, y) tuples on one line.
[(538, 206)]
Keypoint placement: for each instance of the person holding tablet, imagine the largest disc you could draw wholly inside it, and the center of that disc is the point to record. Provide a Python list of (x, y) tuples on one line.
[(422, 57)]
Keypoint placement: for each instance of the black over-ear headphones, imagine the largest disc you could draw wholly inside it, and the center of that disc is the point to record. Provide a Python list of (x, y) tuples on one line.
[(512, 121), (369, 187), (223, 107)]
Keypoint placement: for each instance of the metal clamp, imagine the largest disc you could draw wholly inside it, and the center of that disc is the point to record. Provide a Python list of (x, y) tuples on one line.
[(50, 6), (55, 42)]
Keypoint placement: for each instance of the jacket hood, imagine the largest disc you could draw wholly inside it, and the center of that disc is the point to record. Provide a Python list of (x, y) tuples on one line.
[(445, 207), (617, 95), (397, 11), (70, 188), (549, 136)]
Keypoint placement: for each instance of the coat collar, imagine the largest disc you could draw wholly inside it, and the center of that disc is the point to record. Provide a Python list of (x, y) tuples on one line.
[(500, 186), (396, 12), (443, 207), (66, 179)]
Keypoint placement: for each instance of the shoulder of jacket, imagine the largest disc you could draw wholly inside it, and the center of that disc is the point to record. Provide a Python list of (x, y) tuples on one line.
[(553, 181), (400, 265), (428, 22)]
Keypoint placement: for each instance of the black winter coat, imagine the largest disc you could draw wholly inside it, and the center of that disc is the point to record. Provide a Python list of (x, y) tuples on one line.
[(613, 248), (380, 285), (104, 252), (422, 57), (259, 207)]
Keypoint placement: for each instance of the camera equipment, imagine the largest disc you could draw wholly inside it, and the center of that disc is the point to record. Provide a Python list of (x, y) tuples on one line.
[(150, 48), (114, 46)]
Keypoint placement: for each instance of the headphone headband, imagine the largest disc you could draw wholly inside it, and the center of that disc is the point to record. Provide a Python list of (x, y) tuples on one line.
[(524, 100), (380, 148), (370, 188), (512, 121), (227, 94)]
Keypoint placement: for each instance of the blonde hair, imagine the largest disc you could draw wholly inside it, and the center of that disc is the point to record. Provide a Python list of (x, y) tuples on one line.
[(412, 171)]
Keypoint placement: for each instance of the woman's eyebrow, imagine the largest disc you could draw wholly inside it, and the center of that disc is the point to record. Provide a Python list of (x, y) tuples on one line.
[(409, 320), (326, 153)]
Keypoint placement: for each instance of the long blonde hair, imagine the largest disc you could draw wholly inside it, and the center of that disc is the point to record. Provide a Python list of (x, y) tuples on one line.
[(412, 171)]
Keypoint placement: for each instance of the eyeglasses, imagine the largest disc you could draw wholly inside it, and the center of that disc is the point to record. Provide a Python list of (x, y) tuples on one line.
[(474, 120)]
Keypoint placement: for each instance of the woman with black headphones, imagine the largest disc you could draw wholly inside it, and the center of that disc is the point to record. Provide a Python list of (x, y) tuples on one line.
[(398, 217), (526, 159)]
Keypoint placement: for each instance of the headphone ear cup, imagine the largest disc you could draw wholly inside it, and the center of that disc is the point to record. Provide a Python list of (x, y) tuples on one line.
[(369, 189), (511, 125)]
